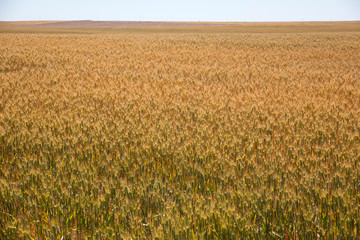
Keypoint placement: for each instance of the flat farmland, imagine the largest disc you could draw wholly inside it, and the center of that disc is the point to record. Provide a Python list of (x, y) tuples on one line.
[(180, 133)]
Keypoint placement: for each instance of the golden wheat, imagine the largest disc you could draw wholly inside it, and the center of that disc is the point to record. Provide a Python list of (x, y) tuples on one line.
[(179, 136)]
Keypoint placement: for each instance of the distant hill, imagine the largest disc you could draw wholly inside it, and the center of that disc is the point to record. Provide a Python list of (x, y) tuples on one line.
[(105, 24), (211, 27)]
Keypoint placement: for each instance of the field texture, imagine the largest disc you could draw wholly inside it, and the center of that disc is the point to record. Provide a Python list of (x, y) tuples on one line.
[(180, 136)]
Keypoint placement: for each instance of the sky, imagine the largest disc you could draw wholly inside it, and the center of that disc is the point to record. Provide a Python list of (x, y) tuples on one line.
[(181, 10)]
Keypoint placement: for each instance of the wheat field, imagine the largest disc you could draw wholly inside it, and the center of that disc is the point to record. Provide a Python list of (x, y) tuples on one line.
[(180, 135)]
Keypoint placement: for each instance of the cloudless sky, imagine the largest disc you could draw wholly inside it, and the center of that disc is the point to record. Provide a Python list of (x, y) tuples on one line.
[(181, 10)]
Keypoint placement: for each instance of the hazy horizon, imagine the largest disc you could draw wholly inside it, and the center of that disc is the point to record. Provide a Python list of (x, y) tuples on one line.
[(200, 10), (85, 20)]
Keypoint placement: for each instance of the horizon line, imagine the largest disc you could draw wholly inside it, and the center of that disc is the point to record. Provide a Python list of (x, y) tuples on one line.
[(265, 21)]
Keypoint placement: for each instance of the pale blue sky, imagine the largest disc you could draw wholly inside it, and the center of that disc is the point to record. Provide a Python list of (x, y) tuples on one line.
[(185, 10)]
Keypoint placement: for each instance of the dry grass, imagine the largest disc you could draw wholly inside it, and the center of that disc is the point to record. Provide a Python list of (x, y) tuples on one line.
[(180, 136)]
